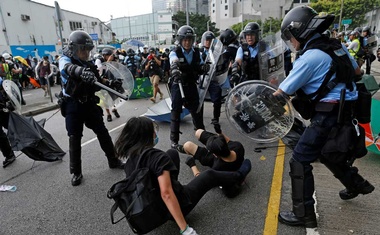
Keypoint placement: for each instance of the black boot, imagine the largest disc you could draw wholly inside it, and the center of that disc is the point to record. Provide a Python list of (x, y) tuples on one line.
[(75, 160), (6, 149), (115, 163), (363, 188), (289, 218)]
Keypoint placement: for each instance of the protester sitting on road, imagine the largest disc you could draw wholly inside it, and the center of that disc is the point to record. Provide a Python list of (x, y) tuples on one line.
[(139, 135), (220, 153)]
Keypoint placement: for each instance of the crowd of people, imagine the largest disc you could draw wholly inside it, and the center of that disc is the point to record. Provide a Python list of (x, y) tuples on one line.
[(317, 50)]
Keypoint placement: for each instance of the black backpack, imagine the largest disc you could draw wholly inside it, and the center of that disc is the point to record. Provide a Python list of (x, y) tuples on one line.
[(139, 198)]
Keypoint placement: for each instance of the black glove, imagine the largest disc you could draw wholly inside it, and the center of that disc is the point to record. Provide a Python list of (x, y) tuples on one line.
[(88, 77), (175, 72), (205, 68), (9, 106), (115, 83)]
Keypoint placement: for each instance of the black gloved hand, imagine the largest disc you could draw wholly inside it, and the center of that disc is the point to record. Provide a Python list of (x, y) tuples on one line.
[(235, 72), (205, 68), (9, 106), (115, 83), (88, 77)]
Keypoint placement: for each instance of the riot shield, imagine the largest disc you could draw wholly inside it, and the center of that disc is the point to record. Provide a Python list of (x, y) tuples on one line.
[(218, 70), (253, 110), (13, 92), (271, 61), (121, 80)]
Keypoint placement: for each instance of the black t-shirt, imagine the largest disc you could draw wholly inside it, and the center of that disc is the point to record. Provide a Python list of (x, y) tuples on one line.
[(221, 165), (158, 161)]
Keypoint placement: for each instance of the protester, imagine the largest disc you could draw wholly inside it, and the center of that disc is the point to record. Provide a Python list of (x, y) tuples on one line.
[(138, 138), (152, 66), (301, 30), (220, 153)]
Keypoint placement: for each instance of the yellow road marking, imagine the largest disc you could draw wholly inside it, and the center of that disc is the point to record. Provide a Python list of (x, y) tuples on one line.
[(271, 220)]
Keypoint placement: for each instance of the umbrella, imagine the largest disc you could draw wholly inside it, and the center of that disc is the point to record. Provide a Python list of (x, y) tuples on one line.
[(143, 88), (161, 111), (22, 60), (372, 129), (29, 137), (134, 42)]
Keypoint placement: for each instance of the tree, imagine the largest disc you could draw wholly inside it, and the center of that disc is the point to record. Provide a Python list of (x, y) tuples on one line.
[(352, 9), (197, 21)]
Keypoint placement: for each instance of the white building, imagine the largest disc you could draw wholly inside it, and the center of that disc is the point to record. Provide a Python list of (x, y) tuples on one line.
[(229, 12), (29, 29)]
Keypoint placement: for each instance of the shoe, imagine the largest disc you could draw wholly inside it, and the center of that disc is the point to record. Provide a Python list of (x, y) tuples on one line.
[(289, 218), (190, 161), (77, 179), (117, 163), (9, 161), (178, 147), (244, 169), (153, 100), (23, 102), (115, 113), (109, 118), (363, 188)]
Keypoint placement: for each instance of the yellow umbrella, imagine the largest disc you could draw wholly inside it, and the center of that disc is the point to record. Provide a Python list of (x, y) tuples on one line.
[(22, 60)]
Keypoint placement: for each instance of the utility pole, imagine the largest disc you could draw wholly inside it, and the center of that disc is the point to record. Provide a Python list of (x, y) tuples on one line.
[(340, 16), (187, 13)]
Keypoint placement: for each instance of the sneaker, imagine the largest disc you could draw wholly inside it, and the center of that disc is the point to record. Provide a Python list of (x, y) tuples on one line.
[(9, 161), (115, 113), (153, 100), (77, 179), (190, 161), (364, 188), (179, 148), (109, 118)]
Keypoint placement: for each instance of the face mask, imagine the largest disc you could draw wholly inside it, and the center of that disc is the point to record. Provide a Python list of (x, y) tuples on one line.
[(155, 141)]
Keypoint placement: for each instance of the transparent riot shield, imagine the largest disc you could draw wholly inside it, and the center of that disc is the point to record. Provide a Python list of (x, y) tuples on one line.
[(253, 110), (271, 61), (121, 80), (218, 70), (14, 95)]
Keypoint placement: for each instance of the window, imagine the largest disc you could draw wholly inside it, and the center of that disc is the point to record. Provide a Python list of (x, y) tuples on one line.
[(225, 14), (213, 5), (75, 25), (225, 1), (213, 11), (305, 1), (226, 7)]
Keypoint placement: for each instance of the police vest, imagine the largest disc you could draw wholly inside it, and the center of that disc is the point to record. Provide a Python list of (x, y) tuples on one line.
[(251, 65), (77, 88), (190, 72)]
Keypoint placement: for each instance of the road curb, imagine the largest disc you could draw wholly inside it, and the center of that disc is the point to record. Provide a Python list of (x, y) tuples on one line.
[(40, 109)]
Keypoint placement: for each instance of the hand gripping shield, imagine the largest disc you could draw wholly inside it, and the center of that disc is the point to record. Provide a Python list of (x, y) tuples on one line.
[(14, 94), (254, 111)]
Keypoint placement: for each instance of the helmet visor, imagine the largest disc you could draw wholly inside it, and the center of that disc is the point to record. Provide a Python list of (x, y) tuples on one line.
[(288, 37)]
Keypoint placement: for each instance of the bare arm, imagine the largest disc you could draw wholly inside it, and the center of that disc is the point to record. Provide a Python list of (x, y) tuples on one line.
[(170, 199)]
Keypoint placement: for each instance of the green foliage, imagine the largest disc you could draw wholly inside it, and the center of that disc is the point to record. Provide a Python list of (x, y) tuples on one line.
[(270, 25), (352, 9), (197, 21)]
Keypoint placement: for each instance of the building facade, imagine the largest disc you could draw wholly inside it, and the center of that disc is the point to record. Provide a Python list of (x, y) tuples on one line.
[(30, 29), (194, 6)]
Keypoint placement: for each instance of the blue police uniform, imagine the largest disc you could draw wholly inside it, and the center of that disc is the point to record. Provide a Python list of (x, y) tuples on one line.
[(250, 61), (80, 108), (189, 64)]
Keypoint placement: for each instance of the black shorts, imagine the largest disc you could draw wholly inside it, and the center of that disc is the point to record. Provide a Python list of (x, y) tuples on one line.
[(205, 157)]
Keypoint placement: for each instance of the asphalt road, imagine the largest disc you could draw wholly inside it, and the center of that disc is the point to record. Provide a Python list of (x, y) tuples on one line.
[(46, 203)]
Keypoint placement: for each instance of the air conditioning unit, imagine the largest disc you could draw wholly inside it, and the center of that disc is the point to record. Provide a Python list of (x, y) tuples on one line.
[(94, 23), (25, 17)]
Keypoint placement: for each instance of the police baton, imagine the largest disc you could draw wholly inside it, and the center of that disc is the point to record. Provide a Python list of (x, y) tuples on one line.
[(124, 97), (181, 89)]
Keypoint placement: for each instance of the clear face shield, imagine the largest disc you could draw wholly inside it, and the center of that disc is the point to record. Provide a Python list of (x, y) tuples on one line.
[(290, 41), (83, 52)]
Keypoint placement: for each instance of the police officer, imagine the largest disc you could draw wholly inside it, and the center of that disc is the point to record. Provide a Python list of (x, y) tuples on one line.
[(301, 29), (5, 104), (246, 61), (185, 66), (214, 88), (80, 106)]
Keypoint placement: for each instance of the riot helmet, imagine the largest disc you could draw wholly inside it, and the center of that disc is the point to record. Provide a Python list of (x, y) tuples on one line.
[(227, 37), (367, 30), (358, 29), (252, 28), (130, 52), (186, 32), (80, 44), (107, 51), (207, 37), (241, 38), (7, 56), (327, 33), (301, 23), (152, 50)]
